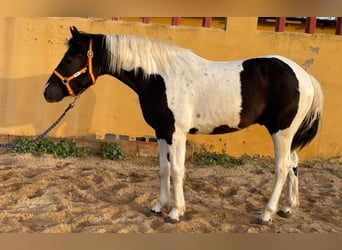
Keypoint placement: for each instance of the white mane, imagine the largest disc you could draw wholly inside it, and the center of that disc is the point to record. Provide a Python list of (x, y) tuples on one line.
[(132, 52)]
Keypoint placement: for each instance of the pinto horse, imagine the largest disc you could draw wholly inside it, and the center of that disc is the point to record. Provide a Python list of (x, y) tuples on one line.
[(181, 93)]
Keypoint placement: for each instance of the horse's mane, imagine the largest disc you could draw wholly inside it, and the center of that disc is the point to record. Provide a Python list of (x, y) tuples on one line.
[(132, 52)]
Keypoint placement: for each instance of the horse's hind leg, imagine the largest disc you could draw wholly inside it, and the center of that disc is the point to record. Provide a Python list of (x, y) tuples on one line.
[(282, 146), (164, 195), (292, 198)]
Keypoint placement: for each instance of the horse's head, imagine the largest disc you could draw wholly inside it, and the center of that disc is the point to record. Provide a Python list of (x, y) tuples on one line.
[(76, 71)]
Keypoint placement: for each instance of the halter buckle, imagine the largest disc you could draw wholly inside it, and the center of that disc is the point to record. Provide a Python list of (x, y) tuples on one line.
[(90, 54), (65, 80)]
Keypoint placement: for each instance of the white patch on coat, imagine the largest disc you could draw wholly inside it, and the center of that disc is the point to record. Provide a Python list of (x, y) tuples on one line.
[(205, 95)]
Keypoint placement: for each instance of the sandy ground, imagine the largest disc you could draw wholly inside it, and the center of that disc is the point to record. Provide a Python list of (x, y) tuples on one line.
[(43, 194)]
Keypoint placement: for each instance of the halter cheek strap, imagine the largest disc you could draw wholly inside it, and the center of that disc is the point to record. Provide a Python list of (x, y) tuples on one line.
[(90, 55), (66, 80)]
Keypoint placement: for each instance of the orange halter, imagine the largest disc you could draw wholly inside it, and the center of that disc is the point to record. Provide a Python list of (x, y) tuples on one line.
[(66, 80)]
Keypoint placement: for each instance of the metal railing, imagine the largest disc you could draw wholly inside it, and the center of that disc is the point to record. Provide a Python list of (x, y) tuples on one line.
[(207, 22), (311, 23)]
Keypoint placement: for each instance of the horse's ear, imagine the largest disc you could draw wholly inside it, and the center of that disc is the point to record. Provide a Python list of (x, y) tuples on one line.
[(74, 31)]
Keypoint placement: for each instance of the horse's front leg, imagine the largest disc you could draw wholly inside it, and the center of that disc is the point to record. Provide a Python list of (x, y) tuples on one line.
[(177, 157), (164, 195)]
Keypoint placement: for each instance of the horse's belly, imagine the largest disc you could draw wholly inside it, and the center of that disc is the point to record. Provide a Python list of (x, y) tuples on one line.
[(217, 116)]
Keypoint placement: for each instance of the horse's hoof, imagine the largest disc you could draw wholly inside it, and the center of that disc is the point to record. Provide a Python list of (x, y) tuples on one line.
[(170, 220), (284, 214), (263, 222), (152, 213)]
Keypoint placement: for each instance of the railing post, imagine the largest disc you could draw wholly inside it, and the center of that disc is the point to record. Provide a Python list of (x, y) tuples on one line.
[(176, 21), (338, 26), (147, 19), (280, 24), (310, 25), (206, 22)]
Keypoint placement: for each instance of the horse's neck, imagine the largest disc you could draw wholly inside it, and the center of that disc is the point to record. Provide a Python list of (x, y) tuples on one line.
[(130, 78)]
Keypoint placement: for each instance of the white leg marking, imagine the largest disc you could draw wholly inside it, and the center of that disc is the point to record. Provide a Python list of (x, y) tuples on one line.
[(292, 198), (282, 145), (177, 157), (164, 195)]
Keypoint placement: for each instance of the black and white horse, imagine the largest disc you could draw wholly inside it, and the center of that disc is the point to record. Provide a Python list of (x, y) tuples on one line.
[(182, 93)]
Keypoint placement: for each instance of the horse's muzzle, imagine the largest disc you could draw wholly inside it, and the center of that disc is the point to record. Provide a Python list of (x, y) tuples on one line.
[(53, 94)]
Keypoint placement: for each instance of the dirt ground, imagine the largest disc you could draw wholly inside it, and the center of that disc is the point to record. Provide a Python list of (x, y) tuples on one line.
[(44, 194)]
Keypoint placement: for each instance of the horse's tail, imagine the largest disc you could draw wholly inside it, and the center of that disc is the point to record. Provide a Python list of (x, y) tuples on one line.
[(308, 129)]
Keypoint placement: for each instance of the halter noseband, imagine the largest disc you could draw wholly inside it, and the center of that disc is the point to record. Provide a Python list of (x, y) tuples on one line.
[(66, 80)]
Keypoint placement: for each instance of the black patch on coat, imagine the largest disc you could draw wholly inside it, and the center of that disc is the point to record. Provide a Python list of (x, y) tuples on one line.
[(270, 95), (222, 130), (153, 101), (295, 171), (193, 131)]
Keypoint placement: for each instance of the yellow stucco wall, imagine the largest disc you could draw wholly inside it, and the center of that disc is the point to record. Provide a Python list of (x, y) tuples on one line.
[(32, 47)]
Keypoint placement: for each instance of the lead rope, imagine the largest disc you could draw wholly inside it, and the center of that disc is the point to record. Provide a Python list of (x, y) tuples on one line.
[(42, 135)]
